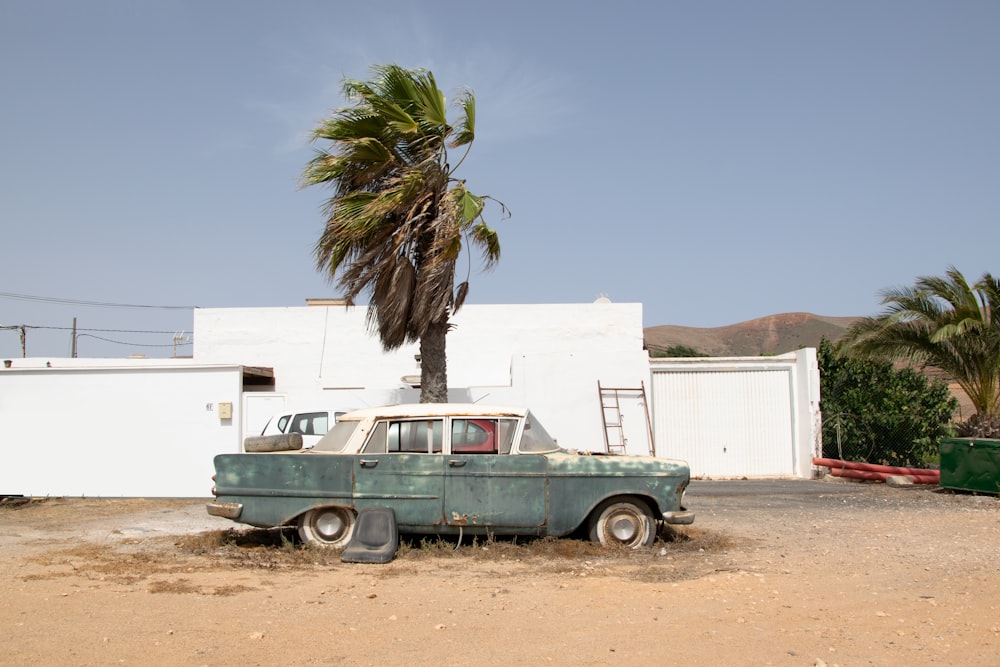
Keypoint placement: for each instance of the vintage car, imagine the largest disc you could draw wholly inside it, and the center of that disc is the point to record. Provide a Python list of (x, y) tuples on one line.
[(448, 469)]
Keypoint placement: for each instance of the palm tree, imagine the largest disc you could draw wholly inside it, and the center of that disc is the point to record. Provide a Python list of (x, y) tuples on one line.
[(398, 216), (945, 323)]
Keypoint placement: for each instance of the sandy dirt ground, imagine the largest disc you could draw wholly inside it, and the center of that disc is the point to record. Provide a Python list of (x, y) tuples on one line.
[(771, 573)]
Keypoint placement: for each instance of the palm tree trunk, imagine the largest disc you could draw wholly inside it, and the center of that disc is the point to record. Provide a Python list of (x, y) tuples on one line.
[(434, 364)]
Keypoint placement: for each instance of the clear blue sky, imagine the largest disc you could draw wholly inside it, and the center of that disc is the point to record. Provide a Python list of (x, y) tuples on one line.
[(716, 161)]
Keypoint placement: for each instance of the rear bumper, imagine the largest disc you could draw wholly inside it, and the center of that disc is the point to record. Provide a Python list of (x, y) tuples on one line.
[(681, 518), (226, 510)]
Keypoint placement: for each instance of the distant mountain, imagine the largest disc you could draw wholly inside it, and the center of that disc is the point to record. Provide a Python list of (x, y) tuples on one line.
[(774, 334)]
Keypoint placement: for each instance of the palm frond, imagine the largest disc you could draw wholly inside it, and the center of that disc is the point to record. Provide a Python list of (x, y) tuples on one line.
[(392, 300), (460, 294), (467, 122), (432, 100)]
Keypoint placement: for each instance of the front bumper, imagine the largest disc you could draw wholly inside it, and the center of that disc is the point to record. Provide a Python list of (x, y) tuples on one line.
[(681, 518), (226, 510)]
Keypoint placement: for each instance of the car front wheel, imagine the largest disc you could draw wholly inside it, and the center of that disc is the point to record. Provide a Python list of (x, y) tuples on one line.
[(327, 526), (628, 522)]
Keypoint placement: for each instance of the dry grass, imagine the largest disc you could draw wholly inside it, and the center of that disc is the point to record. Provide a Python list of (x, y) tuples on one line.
[(157, 560), (280, 547), (176, 564), (677, 554), (181, 585)]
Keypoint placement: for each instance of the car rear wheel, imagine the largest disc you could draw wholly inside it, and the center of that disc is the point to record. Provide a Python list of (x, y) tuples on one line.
[(327, 526), (628, 522)]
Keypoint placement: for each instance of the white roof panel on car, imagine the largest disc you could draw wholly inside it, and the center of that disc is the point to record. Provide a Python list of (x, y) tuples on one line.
[(434, 410)]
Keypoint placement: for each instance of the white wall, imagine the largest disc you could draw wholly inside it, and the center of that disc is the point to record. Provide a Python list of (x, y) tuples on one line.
[(115, 427), (548, 357), (79, 429)]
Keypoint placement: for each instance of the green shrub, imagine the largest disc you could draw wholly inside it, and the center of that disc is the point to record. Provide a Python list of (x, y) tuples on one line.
[(876, 413), (678, 351)]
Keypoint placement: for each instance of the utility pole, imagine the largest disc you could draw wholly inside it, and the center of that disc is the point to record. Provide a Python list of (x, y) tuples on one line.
[(22, 331), (72, 347)]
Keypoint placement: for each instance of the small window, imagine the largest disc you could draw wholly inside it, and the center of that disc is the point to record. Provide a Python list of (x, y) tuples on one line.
[(535, 439), (414, 437), (505, 434), (473, 436), (320, 423), (283, 422), (376, 441)]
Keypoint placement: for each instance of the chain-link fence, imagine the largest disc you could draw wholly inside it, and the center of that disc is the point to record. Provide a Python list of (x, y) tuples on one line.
[(885, 439)]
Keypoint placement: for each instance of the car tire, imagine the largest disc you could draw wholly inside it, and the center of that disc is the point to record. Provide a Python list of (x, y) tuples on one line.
[(327, 526), (623, 521)]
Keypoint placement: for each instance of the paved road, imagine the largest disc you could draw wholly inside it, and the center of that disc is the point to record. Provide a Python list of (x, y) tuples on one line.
[(763, 487), (780, 499), (773, 499)]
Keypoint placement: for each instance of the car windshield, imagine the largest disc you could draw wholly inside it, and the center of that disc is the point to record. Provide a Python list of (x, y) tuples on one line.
[(336, 438), (535, 439)]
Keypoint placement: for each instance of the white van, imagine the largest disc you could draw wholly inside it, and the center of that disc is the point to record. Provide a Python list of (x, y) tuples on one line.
[(312, 425)]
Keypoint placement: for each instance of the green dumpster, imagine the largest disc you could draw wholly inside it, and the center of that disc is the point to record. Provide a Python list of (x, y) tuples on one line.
[(971, 464)]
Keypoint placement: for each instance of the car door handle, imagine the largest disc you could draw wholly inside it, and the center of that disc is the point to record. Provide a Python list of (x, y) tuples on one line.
[(456, 463), (368, 463)]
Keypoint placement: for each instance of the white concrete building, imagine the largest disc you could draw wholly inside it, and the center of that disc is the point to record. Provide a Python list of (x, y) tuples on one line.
[(115, 427), (549, 357)]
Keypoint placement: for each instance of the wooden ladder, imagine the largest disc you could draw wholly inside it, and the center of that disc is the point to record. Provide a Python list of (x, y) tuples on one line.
[(615, 441)]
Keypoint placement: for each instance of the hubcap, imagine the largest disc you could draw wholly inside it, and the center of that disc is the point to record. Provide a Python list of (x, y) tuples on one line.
[(329, 525), (624, 528)]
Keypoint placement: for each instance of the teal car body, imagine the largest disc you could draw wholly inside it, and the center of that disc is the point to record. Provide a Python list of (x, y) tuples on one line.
[(450, 469)]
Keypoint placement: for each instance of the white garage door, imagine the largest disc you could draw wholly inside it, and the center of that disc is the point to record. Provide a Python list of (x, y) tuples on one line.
[(726, 423)]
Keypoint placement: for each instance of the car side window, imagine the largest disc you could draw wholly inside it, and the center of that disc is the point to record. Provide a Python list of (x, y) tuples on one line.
[(283, 422), (320, 423), (535, 439), (376, 440), (421, 436), (308, 423), (482, 436), (473, 436), (505, 434)]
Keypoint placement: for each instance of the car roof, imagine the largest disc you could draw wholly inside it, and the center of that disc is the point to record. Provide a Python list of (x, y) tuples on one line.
[(434, 410)]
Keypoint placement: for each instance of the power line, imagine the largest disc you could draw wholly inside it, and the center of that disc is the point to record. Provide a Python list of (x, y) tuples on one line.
[(32, 326), (180, 339), (78, 302), (120, 342)]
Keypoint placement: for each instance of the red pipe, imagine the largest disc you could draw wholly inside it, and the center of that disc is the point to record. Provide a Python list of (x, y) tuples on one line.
[(926, 479), (857, 474), (882, 476), (872, 467)]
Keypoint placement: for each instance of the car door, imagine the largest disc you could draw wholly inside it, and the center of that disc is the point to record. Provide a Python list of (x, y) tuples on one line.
[(401, 466), (484, 485)]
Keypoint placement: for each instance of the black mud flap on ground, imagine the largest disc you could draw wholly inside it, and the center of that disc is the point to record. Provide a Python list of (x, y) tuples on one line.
[(375, 538)]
